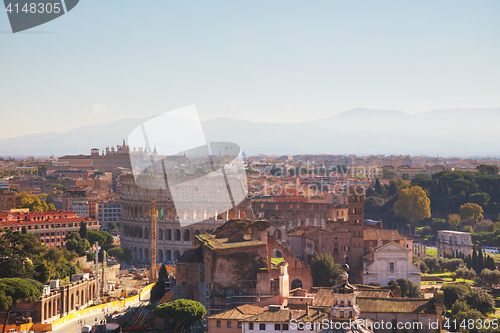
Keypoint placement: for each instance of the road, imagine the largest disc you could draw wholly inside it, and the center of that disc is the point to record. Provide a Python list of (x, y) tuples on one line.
[(90, 319)]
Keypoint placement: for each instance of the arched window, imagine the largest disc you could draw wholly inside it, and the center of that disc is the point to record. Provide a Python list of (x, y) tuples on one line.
[(140, 253), (160, 234), (146, 254), (197, 232), (177, 234), (277, 234), (241, 214), (187, 235), (296, 284), (168, 235), (187, 214), (207, 214), (196, 214), (177, 254), (168, 255)]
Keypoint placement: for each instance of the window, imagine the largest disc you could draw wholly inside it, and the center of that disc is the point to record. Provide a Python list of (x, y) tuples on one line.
[(262, 327), (277, 327), (285, 327), (239, 324), (250, 326), (218, 323), (228, 323), (391, 267)]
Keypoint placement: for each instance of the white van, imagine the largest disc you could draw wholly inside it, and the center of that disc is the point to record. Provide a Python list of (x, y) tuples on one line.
[(87, 329)]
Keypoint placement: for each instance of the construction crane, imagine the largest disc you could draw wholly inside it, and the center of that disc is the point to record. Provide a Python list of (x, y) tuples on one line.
[(153, 213)]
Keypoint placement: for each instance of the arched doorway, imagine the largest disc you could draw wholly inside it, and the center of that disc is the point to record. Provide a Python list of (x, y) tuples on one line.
[(296, 284)]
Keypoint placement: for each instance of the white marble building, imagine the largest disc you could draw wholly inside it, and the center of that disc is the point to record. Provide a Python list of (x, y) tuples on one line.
[(389, 262), (449, 242)]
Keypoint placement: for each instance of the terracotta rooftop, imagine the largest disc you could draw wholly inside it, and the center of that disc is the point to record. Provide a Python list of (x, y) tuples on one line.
[(285, 315), (395, 305), (385, 235), (239, 313)]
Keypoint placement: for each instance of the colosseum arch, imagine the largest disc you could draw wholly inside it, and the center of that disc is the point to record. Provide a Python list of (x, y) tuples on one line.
[(140, 253), (160, 256), (160, 234), (187, 214), (169, 213), (146, 254), (196, 214), (207, 213), (168, 255), (230, 214), (168, 234), (146, 233), (177, 234), (72, 302), (196, 232), (135, 253), (177, 254), (187, 235)]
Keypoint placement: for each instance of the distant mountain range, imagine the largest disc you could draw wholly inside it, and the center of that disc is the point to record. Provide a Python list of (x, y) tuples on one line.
[(450, 132)]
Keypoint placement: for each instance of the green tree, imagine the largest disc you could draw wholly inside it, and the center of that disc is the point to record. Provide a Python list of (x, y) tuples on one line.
[(378, 188), (181, 312), (83, 230), (78, 244), (480, 198), (24, 231), (104, 238), (121, 253), (471, 211), (158, 290), (42, 273), (13, 291), (453, 293), (325, 272), (454, 221), (491, 277), (465, 273), (409, 288), (413, 205), (485, 169), (460, 312), (480, 300)]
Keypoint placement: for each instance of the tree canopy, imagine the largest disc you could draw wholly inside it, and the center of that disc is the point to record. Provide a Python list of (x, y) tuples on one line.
[(413, 204), (13, 291), (471, 211), (181, 312), (325, 272)]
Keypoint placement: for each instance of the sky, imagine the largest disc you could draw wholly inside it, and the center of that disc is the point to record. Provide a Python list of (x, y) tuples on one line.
[(269, 61)]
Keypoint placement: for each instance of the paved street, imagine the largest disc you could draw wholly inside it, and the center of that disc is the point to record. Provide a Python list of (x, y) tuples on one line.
[(90, 319)]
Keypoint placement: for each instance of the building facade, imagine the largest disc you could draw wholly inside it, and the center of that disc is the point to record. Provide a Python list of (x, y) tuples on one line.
[(51, 227), (450, 242), (390, 262), (172, 239)]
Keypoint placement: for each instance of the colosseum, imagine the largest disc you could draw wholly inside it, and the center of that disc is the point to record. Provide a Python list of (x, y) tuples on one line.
[(206, 202)]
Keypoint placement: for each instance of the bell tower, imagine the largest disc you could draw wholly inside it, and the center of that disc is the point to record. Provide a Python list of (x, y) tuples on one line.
[(356, 219)]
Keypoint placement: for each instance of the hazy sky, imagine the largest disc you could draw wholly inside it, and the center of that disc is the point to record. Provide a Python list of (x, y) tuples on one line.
[(273, 61)]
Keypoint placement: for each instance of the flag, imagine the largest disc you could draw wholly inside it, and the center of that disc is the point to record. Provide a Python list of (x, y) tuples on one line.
[(161, 213)]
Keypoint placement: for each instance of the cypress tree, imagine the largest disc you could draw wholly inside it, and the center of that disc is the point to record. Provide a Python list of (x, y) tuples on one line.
[(378, 189), (24, 231), (474, 259), (83, 230), (480, 261)]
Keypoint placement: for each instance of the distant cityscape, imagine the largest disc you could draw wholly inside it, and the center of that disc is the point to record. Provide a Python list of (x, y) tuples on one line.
[(266, 259)]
